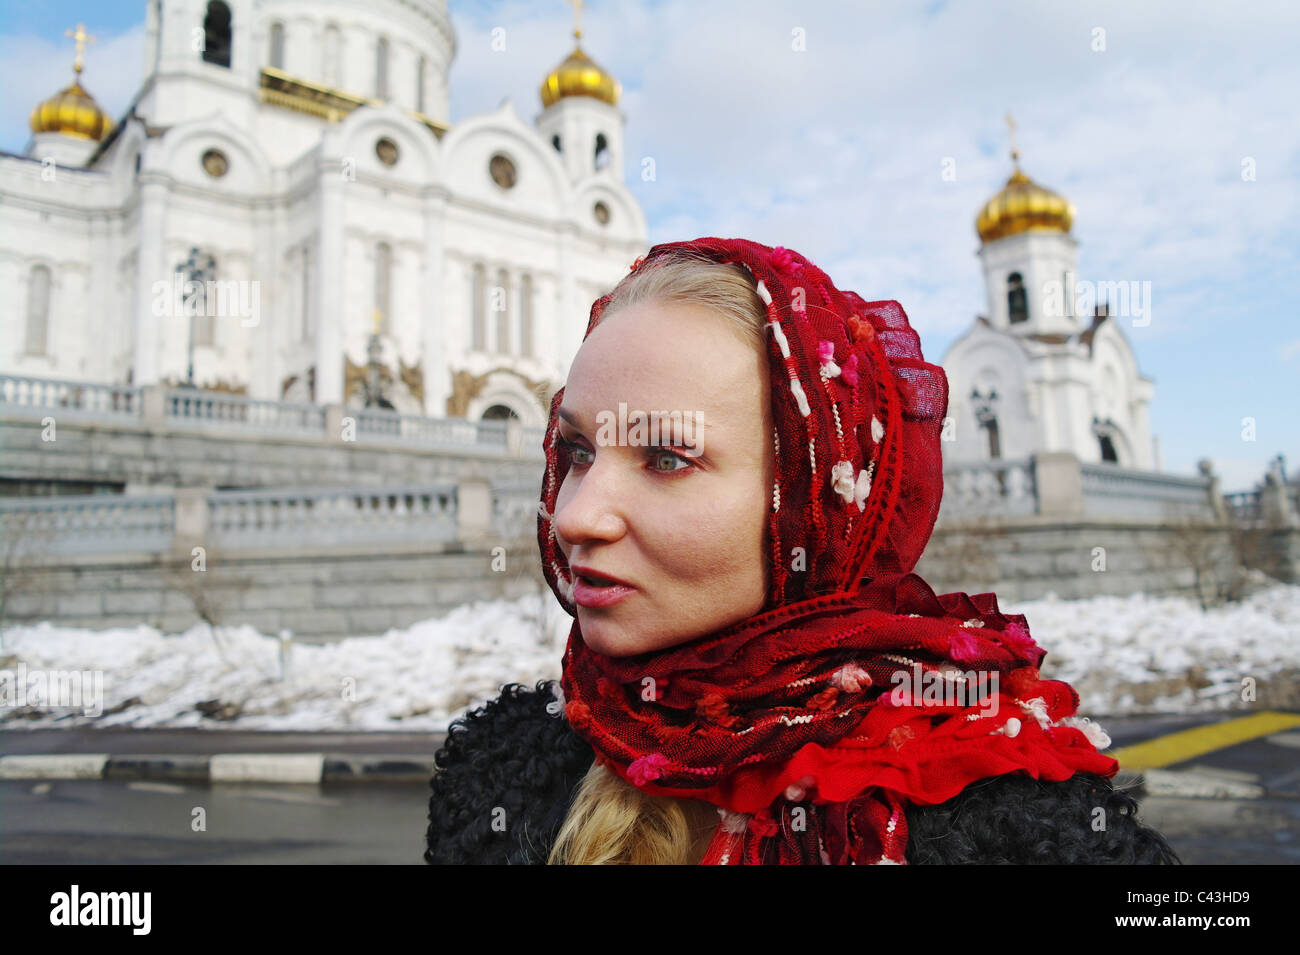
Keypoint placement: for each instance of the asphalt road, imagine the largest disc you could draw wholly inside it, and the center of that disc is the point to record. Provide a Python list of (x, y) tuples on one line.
[(118, 821), (93, 822)]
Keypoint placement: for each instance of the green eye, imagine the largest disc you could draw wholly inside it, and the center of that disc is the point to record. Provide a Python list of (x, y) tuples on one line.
[(656, 453)]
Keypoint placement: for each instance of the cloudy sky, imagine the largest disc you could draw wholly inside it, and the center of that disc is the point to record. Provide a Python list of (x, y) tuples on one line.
[(1171, 125)]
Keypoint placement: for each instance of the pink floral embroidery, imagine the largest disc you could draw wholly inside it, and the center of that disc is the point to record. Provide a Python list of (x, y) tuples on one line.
[(647, 769), (850, 370), (963, 646)]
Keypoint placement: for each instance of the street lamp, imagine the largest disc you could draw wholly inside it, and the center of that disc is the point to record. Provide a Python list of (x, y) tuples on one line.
[(199, 267), (373, 386)]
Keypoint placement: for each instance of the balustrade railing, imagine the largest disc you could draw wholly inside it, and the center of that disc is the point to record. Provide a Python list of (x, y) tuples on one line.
[(84, 524), (216, 410), (260, 518), (332, 516), (995, 488), (39, 394), (191, 406), (1111, 491)]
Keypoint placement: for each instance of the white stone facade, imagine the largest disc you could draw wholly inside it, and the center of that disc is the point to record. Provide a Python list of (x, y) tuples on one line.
[(1044, 378), (318, 171)]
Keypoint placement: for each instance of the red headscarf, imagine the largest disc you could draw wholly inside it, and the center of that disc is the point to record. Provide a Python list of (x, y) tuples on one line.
[(797, 722)]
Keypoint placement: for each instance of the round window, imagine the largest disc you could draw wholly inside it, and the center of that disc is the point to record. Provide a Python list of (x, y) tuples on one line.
[(215, 163), (601, 212), (387, 151), (502, 171)]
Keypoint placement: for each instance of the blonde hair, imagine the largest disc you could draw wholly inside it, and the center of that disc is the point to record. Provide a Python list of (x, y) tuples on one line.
[(611, 822), (689, 277)]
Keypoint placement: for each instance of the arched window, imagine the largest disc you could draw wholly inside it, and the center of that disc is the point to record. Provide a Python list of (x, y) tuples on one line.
[(206, 300), (216, 34), (381, 68), (419, 85), (305, 293), (330, 51), (1017, 301), (1108, 449), (603, 155), (526, 316), (383, 284), (204, 333), (277, 46), (501, 302), (480, 308), (38, 310), (995, 443)]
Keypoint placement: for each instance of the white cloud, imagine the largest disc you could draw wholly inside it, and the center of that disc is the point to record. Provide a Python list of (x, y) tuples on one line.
[(34, 69)]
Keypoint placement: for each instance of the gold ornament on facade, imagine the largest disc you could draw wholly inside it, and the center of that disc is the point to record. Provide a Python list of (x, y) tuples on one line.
[(466, 387), (579, 75), (1023, 206), (355, 377), (72, 111), (413, 377)]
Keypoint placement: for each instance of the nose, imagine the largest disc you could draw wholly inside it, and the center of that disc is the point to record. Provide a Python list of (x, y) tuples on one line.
[(589, 506)]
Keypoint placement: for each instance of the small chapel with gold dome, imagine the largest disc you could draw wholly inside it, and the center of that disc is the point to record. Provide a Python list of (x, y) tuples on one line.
[(1032, 374), (296, 163)]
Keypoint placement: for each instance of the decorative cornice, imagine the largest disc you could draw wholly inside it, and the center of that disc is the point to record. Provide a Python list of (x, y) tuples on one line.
[(291, 92)]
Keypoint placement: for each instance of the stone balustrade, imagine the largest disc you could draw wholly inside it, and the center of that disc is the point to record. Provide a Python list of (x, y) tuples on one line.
[(193, 409), (282, 519)]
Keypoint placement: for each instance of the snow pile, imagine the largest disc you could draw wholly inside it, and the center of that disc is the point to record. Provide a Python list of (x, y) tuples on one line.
[(1125, 655), (416, 678), (1142, 654)]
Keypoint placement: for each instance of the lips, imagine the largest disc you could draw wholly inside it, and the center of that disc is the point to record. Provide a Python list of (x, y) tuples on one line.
[(595, 578)]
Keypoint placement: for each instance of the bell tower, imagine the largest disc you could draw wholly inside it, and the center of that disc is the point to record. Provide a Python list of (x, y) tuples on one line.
[(580, 116), (1029, 257)]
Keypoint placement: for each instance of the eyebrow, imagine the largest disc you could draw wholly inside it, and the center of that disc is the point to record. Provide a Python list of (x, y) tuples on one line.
[(572, 418)]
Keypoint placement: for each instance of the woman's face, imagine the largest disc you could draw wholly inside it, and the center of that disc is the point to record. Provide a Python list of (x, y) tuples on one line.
[(683, 523)]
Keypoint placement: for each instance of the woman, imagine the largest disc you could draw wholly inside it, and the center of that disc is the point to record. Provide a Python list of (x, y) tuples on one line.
[(754, 675)]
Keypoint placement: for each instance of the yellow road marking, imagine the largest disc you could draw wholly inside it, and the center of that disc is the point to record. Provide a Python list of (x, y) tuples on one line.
[(1186, 744)]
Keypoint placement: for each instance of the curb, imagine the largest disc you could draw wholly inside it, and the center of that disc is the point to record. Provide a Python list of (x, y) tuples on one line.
[(291, 768)]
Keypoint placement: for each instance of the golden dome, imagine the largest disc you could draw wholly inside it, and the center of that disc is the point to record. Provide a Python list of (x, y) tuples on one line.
[(72, 111), (1023, 206), (579, 75)]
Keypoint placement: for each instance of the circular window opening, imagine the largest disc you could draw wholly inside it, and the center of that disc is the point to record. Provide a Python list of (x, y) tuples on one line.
[(601, 212), (215, 163), (502, 171), (387, 151)]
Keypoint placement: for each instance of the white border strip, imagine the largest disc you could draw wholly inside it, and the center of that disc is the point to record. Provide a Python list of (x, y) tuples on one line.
[(267, 768), (57, 766)]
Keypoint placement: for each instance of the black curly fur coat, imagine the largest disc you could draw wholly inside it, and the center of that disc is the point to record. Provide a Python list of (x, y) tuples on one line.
[(511, 763)]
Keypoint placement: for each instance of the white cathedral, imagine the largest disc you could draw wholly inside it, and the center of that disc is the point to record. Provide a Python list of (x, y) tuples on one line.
[(285, 205), (284, 212), (1032, 375)]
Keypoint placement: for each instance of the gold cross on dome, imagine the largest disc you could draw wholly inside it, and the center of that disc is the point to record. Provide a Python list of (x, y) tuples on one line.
[(1015, 153), (83, 39), (577, 18)]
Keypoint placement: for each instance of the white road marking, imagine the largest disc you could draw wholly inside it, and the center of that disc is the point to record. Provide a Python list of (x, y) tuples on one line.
[(59, 766), (156, 787), (267, 768)]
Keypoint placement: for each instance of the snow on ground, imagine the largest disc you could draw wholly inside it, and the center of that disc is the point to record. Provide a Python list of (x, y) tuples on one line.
[(1125, 655)]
